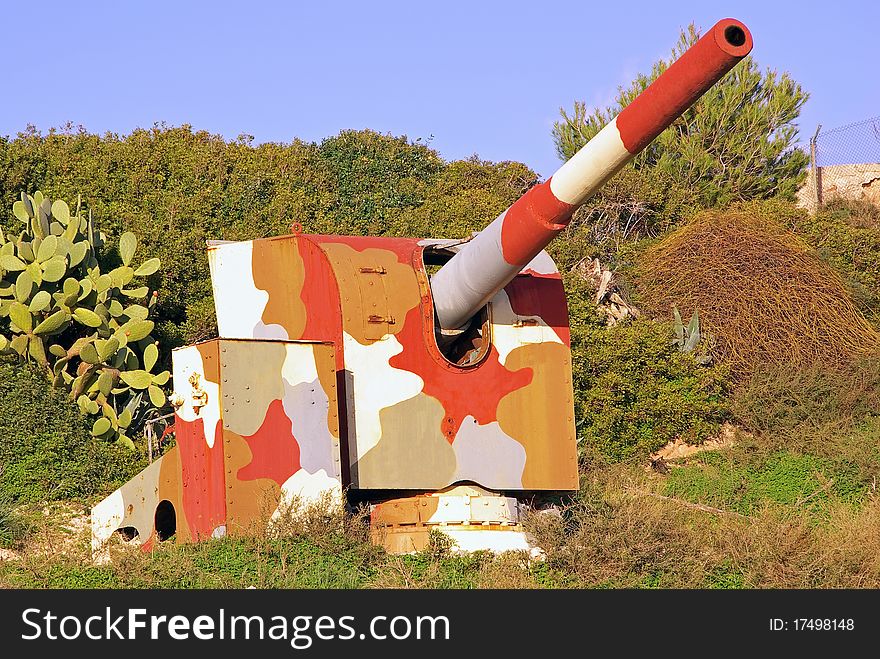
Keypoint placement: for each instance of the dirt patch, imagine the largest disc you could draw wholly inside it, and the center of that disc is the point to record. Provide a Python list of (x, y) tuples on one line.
[(9, 555), (63, 528), (678, 449)]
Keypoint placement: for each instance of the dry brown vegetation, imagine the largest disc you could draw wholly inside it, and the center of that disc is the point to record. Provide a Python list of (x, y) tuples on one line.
[(765, 296), (619, 535)]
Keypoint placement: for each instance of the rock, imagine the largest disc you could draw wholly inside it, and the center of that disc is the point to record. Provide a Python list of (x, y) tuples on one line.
[(8, 555), (609, 298)]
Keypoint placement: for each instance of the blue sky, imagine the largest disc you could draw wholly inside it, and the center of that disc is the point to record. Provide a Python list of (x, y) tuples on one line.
[(480, 77)]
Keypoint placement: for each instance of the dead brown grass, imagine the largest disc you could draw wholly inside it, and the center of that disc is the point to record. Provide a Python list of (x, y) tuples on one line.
[(615, 537), (763, 294)]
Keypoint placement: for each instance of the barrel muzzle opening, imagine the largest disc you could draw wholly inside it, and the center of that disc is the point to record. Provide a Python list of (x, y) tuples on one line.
[(734, 35)]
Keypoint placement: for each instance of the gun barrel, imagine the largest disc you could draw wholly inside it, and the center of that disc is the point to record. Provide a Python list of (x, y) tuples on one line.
[(497, 254)]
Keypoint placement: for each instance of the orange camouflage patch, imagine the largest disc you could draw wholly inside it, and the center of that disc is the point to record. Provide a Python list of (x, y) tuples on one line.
[(278, 269), (325, 364), (249, 503), (376, 290), (170, 488), (533, 416)]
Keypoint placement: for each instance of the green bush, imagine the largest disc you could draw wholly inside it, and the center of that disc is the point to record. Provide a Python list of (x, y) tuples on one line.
[(47, 452), (11, 526), (175, 188), (374, 175), (634, 390), (464, 197), (847, 235)]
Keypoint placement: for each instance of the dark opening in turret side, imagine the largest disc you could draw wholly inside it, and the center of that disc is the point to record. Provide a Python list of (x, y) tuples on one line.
[(165, 520), (466, 346)]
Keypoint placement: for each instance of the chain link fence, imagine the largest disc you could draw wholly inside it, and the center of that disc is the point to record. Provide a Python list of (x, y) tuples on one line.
[(844, 163)]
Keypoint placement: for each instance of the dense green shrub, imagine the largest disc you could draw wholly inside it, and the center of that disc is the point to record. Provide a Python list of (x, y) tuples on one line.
[(464, 197), (634, 389), (175, 188), (374, 175), (10, 522), (847, 235), (47, 451)]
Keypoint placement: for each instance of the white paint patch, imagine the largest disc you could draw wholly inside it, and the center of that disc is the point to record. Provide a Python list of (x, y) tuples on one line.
[(141, 494), (542, 264), (106, 517), (306, 405), (187, 361), (272, 331), (238, 302), (485, 454), (299, 365), (467, 540), (375, 385), (303, 488), (588, 169), (507, 336)]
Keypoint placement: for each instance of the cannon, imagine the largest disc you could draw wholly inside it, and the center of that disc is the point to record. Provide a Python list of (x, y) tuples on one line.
[(345, 373)]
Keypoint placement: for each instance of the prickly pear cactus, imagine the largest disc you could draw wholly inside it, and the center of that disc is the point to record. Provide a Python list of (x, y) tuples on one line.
[(88, 330)]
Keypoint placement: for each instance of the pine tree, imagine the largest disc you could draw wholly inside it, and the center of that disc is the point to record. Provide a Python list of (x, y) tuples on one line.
[(737, 142)]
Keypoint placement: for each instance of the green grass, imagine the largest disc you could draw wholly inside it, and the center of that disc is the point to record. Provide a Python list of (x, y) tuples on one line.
[(802, 487), (718, 479), (724, 577), (336, 562)]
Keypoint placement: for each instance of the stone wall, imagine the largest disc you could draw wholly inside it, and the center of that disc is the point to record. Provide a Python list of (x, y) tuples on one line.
[(841, 181)]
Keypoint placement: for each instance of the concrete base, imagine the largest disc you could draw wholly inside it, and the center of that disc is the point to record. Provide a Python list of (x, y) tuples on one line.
[(474, 519)]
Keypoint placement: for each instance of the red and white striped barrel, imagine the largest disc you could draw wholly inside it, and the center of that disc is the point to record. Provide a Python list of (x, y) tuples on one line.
[(487, 263)]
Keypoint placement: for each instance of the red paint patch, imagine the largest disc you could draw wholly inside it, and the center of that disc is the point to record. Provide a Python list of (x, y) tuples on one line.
[(677, 88), (531, 223), (203, 478), (462, 392), (274, 449), (320, 295), (544, 297)]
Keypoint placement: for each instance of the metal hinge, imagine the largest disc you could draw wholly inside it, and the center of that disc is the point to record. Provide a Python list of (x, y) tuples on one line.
[(525, 322), (378, 270), (376, 318)]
